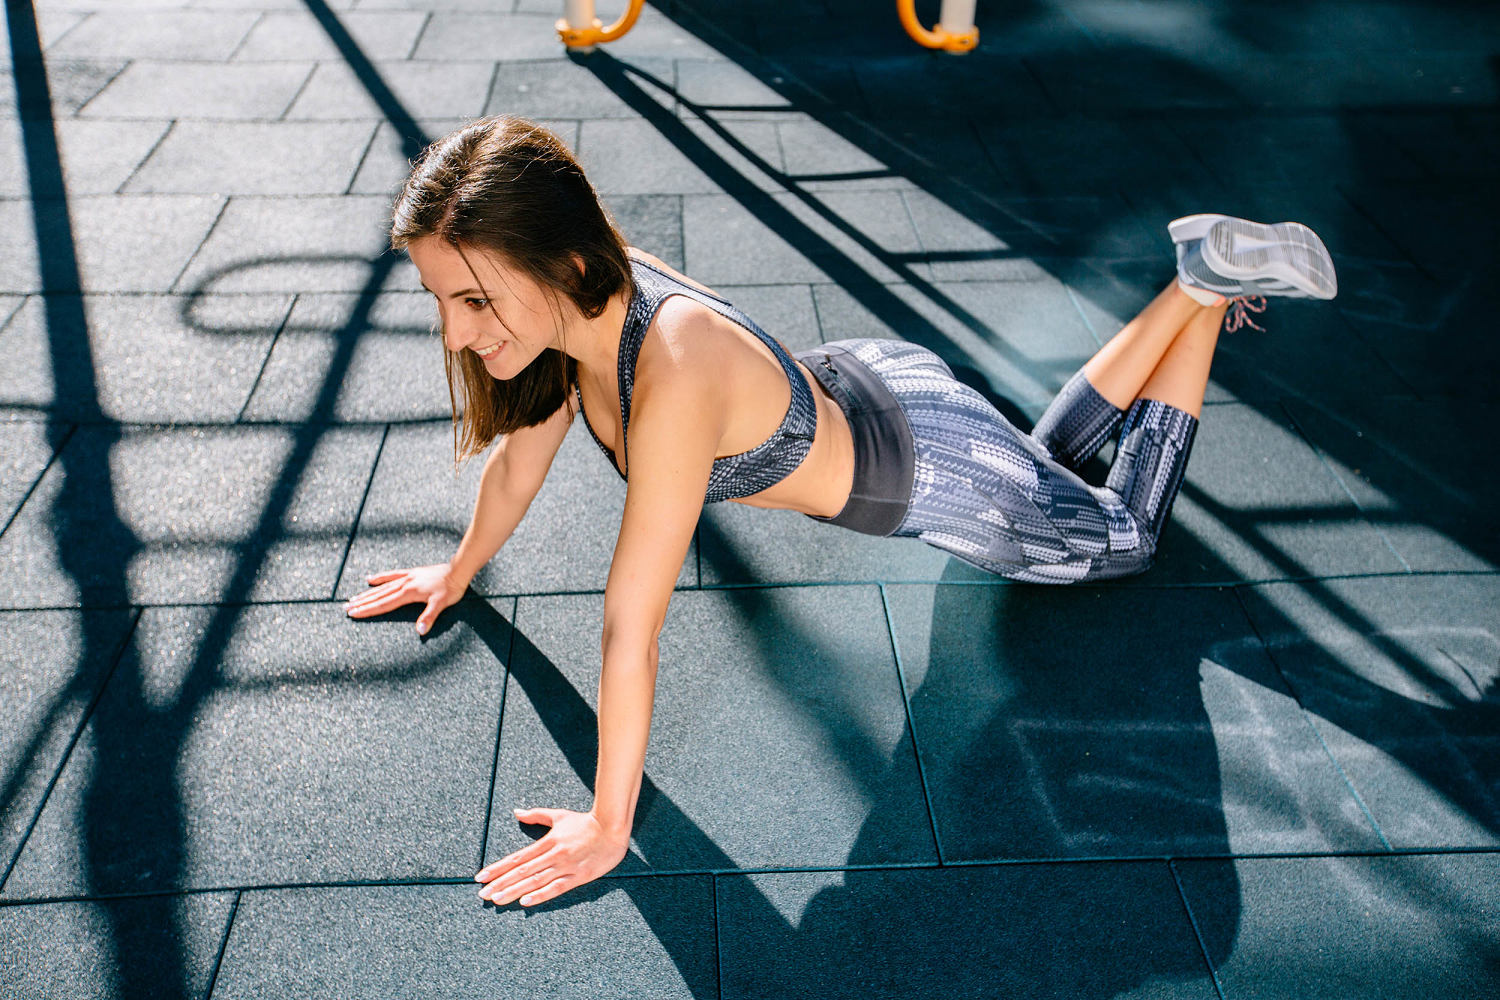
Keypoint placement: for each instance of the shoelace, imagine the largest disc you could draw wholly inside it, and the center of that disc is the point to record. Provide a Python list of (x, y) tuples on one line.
[(1240, 309)]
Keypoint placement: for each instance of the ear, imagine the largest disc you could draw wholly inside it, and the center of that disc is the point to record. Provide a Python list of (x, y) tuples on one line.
[(578, 263)]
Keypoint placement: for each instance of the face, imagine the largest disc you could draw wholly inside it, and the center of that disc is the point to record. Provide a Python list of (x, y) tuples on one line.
[(503, 317)]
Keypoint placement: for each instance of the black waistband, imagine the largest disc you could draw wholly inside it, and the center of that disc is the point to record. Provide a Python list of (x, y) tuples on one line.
[(884, 456)]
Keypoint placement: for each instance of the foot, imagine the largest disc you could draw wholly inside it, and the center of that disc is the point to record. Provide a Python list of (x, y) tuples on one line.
[(1236, 257)]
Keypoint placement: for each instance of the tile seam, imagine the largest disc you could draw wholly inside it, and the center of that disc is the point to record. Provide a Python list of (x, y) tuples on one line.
[(338, 577), (121, 651), (911, 725), (120, 188), (489, 806), (1328, 466), (213, 978), (260, 17), (363, 156), (686, 873), (239, 418), (1307, 717), (51, 461), (1208, 962)]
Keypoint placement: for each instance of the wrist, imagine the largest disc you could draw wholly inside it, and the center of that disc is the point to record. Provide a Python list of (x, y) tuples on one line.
[(616, 828)]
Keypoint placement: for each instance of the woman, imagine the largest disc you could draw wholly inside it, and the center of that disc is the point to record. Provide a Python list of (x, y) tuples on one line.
[(546, 314)]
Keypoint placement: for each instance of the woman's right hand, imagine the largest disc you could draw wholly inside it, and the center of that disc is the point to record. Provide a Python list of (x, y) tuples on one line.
[(431, 585)]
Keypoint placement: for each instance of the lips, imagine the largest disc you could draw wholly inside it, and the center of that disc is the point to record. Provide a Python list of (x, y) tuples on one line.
[(489, 352)]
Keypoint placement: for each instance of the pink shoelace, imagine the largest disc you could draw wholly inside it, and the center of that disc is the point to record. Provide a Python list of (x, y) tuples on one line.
[(1240, 309)]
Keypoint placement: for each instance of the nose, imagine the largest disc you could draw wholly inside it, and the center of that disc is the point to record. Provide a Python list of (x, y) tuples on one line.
[(458, 331)]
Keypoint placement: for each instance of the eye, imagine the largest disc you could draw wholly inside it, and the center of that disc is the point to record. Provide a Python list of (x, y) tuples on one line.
[(476, 303)]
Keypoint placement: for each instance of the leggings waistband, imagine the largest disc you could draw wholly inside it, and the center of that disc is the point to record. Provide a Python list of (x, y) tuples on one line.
[(884, 453)]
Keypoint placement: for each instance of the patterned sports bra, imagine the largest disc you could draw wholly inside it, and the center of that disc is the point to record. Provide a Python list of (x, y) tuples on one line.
[(732, 476)]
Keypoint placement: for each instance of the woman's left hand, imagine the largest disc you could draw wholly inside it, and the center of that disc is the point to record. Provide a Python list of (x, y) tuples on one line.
[(576, 850)]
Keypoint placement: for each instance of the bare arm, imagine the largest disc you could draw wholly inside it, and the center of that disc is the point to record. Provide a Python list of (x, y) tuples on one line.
[(675, 427), (513, 473)]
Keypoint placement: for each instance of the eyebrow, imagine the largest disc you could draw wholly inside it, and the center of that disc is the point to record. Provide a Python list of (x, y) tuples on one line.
[(457, 295)]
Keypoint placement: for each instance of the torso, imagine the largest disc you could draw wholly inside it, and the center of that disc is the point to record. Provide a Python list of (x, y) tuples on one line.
[(756, 402)]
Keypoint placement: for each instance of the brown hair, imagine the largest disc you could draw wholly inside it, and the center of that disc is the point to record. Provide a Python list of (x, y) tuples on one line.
[(510, 187)]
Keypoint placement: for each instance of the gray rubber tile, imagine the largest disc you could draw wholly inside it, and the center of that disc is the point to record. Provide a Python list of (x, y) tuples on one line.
[(1419, 926), (1188, 744), (779, 734), (70, 85), (297, 35), (1409, 465), (864, 233), (156, 34), (135, 243), (726, 90), (422, 89), (1426, 327), (1258, 503), (655, 35), (564, 89), (741, 544), (1296, 149), (26, 446), (996, 241), (392, 371), (150, 515), (493, 37), (1032, 930), (417, 511), (154, 946), (1061, 155), (300, 158), (144, 359), (314, 244), (51, 25), (97, 157), (386, 166), (642, 937), (1024, 338), (214, 91), (931, 87), (1401, 678), (54, 663), (634, 157), (1449, 143), (786, 312), (273, 744), (819, 158), (652, 222), (1291, 358)]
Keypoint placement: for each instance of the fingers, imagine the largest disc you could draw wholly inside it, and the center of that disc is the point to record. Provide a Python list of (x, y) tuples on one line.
[(521, 883), (528, 853), (389, 574), (428, 615), (556, 887), (376, 601)]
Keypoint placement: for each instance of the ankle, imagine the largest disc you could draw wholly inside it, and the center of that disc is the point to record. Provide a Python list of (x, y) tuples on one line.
[(1202, 296)]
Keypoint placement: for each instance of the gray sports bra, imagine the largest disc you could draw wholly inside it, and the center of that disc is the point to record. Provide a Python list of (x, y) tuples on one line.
[(732, 476)]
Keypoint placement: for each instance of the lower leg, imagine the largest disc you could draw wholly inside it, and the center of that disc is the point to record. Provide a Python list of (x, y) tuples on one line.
[(1122, 366), (1180, 378)]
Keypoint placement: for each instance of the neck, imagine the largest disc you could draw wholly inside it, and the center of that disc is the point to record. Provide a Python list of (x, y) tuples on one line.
[(595, 343)]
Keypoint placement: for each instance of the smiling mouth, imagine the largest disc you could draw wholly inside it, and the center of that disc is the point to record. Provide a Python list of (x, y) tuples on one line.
[(491, 351)]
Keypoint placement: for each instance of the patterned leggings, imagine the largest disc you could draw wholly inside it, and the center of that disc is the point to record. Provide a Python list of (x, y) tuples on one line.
[(1013, 503)]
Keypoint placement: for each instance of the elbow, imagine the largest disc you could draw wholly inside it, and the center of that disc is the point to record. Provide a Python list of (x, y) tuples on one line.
[(631, 644)]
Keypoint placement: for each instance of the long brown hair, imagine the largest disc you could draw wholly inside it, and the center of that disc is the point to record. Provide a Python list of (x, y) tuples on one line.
[(510, 187)]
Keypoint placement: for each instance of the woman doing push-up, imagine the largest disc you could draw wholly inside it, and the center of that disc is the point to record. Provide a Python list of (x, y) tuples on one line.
[(547, 314)]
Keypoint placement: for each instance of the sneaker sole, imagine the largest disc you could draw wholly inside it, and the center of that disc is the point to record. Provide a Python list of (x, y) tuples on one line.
[(1286, 252), (1192, 227)]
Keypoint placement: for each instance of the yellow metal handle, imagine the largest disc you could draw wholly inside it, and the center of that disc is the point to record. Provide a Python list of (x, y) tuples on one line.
[(939, 37), (597, 32)]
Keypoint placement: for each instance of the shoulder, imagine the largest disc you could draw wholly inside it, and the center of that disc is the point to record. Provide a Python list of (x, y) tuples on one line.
[(685, 344)]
